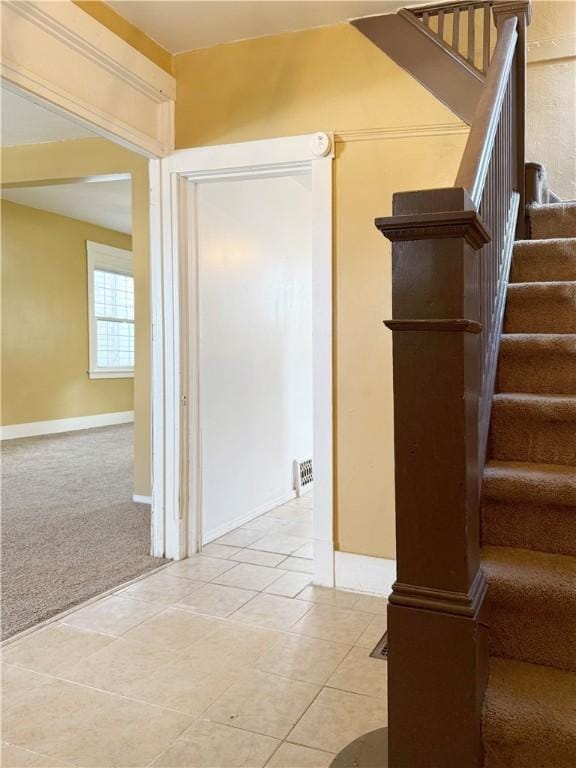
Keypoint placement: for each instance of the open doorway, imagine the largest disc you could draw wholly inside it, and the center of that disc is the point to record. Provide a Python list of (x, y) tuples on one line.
[(256, 380), (73, 524), (248, 251)]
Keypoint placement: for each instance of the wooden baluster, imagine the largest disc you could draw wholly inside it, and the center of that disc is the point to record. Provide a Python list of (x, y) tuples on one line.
[(486, 33), (441, 24), (471, 32), (426, 18), (456, 30)]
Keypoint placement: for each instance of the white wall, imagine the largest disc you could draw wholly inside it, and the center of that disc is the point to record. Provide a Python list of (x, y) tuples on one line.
[(254, 239)]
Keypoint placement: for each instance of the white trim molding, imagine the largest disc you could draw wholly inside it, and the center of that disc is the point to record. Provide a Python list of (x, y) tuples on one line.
[(361, 573), (60, 56), (54, 426), (142, 499), (401, 132)]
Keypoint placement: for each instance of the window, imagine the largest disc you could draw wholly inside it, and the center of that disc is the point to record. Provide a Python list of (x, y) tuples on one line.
[(111, 311)]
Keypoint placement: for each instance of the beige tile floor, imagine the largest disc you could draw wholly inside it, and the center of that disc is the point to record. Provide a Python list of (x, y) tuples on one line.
[(229, 659)]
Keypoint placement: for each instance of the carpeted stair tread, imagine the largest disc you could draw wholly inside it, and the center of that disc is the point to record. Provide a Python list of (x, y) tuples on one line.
[(529, 716), (543, 363), (533, 428), (553, 220), (532, 606), (543, 260), (548, 307), (530, 483)]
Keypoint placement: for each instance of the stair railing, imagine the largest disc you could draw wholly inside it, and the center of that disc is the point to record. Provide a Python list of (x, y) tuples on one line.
[(451, 256), (460, 25), (489, 172)]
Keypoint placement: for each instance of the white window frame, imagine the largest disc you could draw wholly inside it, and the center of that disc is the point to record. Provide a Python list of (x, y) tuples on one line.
[(109, 259)]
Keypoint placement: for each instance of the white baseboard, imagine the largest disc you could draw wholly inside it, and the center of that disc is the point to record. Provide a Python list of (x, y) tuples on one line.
[(304, 490), (142, 499), (361, 573), (243, 519), (52, 427)]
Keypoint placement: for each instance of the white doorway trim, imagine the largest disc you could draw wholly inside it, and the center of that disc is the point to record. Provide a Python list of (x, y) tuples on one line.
[(50, 51), (178, 471)]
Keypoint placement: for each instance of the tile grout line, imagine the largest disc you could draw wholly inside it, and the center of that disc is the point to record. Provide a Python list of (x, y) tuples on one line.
[(53, 677)]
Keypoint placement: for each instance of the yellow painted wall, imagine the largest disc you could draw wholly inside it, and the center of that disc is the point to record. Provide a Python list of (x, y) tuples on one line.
[(88, 157), (45, 319), (551, 93), (333, 79), (107, 16)]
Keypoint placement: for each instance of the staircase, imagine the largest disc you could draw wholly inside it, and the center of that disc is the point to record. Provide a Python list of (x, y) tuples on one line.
[(529, 506), (482, 617)]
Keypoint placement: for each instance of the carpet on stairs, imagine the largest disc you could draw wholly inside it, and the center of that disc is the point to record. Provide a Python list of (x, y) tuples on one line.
[(529, 506)]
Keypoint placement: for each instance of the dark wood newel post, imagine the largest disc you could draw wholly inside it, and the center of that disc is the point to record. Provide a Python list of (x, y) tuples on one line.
[(437, 663)]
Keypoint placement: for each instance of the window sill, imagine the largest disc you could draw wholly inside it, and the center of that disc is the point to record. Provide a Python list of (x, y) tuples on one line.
[(113, 374)]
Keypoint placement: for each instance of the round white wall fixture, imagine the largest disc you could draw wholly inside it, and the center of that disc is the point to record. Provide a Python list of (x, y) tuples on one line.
[(321, 145)]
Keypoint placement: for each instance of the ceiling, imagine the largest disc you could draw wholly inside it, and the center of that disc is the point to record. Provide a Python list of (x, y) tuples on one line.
[(106, 203), (24, 122), (184, 25)]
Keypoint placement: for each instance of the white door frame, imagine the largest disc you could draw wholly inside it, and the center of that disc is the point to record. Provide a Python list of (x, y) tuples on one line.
[(177, 475)]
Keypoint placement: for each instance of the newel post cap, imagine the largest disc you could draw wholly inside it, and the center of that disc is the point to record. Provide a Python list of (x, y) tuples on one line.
[(504, 9)]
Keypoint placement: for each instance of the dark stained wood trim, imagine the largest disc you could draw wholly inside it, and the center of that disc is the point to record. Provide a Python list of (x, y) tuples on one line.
[(450, 325), (441, 225), (458, 603), (430, 61)]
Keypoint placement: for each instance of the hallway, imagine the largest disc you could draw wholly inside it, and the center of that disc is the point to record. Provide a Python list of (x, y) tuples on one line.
[(228, 659)]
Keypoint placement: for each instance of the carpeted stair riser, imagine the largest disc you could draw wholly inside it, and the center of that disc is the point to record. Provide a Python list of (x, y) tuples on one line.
[(530, 483), (533, 428), (532, 606), (553, 221), (529, 717), (537, 363), (530, 506), (541, 528), (542, 261), (541, 308)]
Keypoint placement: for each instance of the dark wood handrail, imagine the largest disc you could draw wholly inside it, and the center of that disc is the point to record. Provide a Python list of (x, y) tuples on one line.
[(478, 151)]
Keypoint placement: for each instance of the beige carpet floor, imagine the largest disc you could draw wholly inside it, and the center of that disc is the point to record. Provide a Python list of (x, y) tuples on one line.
[(70, 529)]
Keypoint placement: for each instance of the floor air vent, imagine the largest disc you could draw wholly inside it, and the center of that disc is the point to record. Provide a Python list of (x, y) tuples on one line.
[(303, 477), (381, 650)]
